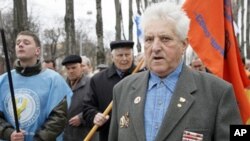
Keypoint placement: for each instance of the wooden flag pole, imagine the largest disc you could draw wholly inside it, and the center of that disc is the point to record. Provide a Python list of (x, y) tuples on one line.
[(109, 108), (95, 127)]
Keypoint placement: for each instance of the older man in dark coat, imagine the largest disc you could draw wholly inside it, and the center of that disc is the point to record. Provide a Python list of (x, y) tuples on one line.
[(76, 128), (101, 86)]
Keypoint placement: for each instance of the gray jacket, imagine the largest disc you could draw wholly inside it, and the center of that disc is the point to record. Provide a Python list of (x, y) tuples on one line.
[(208, 109), (72, 133)]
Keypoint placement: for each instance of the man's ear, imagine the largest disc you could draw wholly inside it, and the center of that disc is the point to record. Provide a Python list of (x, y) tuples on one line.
[(38, 51), (185, 44), (112, 56)]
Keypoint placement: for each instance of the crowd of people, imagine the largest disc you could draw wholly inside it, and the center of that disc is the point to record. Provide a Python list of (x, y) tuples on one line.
[(165, 100)]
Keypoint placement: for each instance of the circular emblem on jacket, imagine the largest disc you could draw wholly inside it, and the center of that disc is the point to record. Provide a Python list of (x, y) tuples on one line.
[(28, 107)]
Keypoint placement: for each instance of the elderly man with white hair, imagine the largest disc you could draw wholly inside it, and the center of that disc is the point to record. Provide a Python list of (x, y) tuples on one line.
[(86, 66), (170, 101), (101, 85)]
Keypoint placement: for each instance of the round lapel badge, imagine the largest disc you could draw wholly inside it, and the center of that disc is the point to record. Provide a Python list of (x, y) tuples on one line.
[(137, 100)]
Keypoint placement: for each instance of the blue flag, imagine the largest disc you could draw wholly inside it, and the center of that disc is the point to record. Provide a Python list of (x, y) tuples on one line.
[(137, 19)]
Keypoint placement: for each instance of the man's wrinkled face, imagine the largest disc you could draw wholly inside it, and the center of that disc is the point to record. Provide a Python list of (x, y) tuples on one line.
[(122, 58), (198, 65), (86, 68), (163, 48), (74, 71)]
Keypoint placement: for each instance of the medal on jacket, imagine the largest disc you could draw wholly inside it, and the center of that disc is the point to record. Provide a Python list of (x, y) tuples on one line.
[(192, 136), (181, 100), (137, 100), (124, 120)]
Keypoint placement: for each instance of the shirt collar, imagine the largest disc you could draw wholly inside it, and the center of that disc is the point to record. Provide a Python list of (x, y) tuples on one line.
[(169, 81), (121, 74)]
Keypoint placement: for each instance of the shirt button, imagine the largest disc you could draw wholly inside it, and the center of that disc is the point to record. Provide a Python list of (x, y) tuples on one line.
[(159, 102)]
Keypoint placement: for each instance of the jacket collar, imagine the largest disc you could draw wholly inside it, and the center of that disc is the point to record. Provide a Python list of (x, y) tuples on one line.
[(28, 71), (175, 112), (82, 82), (112, 70)]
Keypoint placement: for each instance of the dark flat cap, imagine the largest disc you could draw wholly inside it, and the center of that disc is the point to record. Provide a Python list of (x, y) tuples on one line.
[(121, 44), (72, 59)]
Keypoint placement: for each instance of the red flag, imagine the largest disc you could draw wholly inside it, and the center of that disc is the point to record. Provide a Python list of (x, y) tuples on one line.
[(212, 37)]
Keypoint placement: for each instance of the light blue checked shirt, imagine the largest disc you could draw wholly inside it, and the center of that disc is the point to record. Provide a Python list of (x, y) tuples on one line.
[(159, 93)]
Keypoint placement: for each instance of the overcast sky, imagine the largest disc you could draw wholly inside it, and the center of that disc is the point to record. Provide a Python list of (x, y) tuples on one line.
[(48, 11)]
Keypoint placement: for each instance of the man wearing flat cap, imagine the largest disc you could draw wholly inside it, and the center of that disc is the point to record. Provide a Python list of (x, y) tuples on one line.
[(102, 83), (76, 128)]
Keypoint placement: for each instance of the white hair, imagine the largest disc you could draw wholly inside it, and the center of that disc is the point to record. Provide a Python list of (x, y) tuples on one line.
[(169, 12), (86, 60)]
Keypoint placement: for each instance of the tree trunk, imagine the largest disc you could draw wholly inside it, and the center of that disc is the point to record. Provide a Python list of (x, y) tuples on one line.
[(122, 26), (130, 26), (20, 21), (146, 3), (242, 25), (138, 7), (153, 1), (99, 32), (2, 65), (118, 20), (235, 9), (70, 42), (139, 13), (20, 16), (247, 29)]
